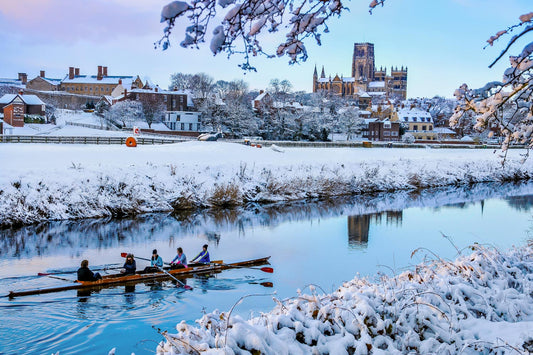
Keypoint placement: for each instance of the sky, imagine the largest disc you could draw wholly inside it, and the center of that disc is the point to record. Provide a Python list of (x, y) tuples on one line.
[(440, 41)]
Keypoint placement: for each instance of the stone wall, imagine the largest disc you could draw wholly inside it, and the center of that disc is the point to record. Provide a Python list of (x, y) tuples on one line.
[(61, 99)]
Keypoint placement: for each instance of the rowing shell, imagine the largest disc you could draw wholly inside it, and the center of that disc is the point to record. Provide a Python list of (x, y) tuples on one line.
[(114, 279)]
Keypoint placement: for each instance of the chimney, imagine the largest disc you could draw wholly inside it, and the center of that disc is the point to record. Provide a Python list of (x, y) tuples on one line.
[(41, 74), (156, 89), (76, 71), (23, 77), (175, 88), (125, 93), (120, 81), (105, 71), (99, 76), (21, 92), (71, 72), (260, 92)]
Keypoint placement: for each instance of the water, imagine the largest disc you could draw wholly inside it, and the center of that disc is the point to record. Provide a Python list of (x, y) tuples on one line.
[(322, 243)]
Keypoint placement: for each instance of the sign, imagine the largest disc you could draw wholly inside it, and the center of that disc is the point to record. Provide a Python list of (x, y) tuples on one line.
[(136, 131)]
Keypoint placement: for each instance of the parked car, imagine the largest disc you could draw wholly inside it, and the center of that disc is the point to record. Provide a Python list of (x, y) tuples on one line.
[(209, 136)]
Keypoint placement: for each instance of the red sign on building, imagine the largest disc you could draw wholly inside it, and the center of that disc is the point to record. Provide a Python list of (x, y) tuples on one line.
[(14, 114)]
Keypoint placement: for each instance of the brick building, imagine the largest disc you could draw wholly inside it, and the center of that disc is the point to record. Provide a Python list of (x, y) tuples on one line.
[(16, 106)]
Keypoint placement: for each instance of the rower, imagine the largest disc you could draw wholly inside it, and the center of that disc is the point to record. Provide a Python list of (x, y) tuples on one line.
[(180, 261), (203, 255), (156, 262), (129, 266), (84, 274)]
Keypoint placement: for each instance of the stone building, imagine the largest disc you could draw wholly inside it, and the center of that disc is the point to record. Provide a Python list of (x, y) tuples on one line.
[(97, 85), (42, 83), (365, 79)]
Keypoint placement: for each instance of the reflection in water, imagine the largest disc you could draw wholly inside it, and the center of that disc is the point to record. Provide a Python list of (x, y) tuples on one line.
[(359, 226), (72, 237)]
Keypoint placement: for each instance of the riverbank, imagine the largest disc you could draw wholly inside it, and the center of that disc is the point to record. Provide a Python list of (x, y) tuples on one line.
[(56, 182), (479, 303)]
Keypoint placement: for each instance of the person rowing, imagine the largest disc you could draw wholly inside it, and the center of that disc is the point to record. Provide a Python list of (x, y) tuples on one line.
[(180, 261), (129, 266), (156, 262), (203, 256), (85, 274)]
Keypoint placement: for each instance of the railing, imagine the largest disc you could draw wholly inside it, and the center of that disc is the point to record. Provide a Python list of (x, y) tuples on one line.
[(84, 140), (106, 126)]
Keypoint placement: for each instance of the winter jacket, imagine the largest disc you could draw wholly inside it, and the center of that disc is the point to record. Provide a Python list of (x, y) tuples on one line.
[(130, 268), (157, 261), (180, 260), (204, 257), (84, 274)]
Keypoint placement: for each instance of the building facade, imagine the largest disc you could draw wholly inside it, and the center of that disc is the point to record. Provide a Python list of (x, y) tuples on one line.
[(97, 85), (365, 78), (385, 131), (417, 122), (42, 83)]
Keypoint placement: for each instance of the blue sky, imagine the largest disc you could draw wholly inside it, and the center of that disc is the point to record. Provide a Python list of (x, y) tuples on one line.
[(440, 41)]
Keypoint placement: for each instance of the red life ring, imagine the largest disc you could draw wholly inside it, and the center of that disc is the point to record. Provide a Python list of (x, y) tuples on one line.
[(131, 142)]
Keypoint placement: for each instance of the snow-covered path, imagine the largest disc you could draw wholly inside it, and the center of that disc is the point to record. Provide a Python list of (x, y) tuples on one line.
[(49, 181)]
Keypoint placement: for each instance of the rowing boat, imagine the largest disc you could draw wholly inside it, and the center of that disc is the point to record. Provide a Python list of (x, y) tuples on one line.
[(114, 279)]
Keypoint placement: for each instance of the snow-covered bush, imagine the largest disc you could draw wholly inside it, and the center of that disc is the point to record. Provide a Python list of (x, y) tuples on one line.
[(480, 303)]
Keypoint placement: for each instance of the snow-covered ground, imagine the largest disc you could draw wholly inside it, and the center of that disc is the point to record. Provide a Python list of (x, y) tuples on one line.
[(49, 181), (62, 128), (478, 304)]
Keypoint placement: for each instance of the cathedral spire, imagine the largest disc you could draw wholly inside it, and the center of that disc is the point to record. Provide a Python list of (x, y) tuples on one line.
[(315, 74), (323, 75)]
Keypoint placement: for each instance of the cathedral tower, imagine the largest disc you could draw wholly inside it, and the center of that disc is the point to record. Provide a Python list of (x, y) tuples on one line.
[(363, 61)]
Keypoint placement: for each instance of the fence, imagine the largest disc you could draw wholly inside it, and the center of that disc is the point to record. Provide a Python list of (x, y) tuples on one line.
[(84, 140), (106, 126)]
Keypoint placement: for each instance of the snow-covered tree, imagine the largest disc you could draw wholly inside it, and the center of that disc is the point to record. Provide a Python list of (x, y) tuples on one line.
[(153, 108), (504, 106), (201, 84), (126, 112)]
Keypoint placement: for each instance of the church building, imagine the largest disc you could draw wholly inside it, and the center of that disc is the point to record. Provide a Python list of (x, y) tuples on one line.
[(365, 79)]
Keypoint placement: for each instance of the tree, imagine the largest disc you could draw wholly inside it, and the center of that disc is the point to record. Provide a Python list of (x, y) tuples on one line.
[(200, 84), (127, 112), (504, 106), (153, 108)]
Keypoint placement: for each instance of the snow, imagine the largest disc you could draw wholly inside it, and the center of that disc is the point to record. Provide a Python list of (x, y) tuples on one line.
[(28, 99), (79, 181), (479, 303)]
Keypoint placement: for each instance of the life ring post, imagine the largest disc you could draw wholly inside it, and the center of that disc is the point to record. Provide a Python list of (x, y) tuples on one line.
[(131, 142)]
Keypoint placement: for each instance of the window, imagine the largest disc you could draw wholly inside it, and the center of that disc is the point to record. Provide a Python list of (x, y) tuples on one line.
[(190, 126), (164, 98), (430, 128), (386, 125), (394, 134), (415, 119), (424, 128), (182, 126), (406, 119), (386, 133), (415, 127)]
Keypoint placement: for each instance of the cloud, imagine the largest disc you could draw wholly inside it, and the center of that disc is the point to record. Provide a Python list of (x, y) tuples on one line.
[(73, 21)]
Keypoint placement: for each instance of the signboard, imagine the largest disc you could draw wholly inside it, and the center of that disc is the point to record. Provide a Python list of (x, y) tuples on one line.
[(136, 131)]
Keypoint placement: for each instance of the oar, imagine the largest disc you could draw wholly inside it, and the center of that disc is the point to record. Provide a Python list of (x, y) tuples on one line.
[(187, 287), (138, 257), (55, 277), (264, 269), (72, 272)]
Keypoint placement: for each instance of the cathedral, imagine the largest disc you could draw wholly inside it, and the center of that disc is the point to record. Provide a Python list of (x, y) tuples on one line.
[(365, 81)]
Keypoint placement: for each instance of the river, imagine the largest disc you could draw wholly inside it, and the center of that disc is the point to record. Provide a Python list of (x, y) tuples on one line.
[(321, 242)]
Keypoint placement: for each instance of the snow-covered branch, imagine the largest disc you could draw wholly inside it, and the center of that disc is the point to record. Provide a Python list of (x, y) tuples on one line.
[(246, 20)]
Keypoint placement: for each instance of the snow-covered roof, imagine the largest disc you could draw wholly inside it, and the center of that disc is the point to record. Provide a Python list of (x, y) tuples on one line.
[(6, 81), (28, 99), (377, 93), (348, 80), (260, 96), (164, 92), (414, 115), (127, 80), (323, 80), (376, 84), (52, 81), (295, 105), (363, 94), (443, 130)]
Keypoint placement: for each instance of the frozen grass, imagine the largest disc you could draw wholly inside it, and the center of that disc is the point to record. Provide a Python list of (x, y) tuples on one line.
[(43, 182)]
